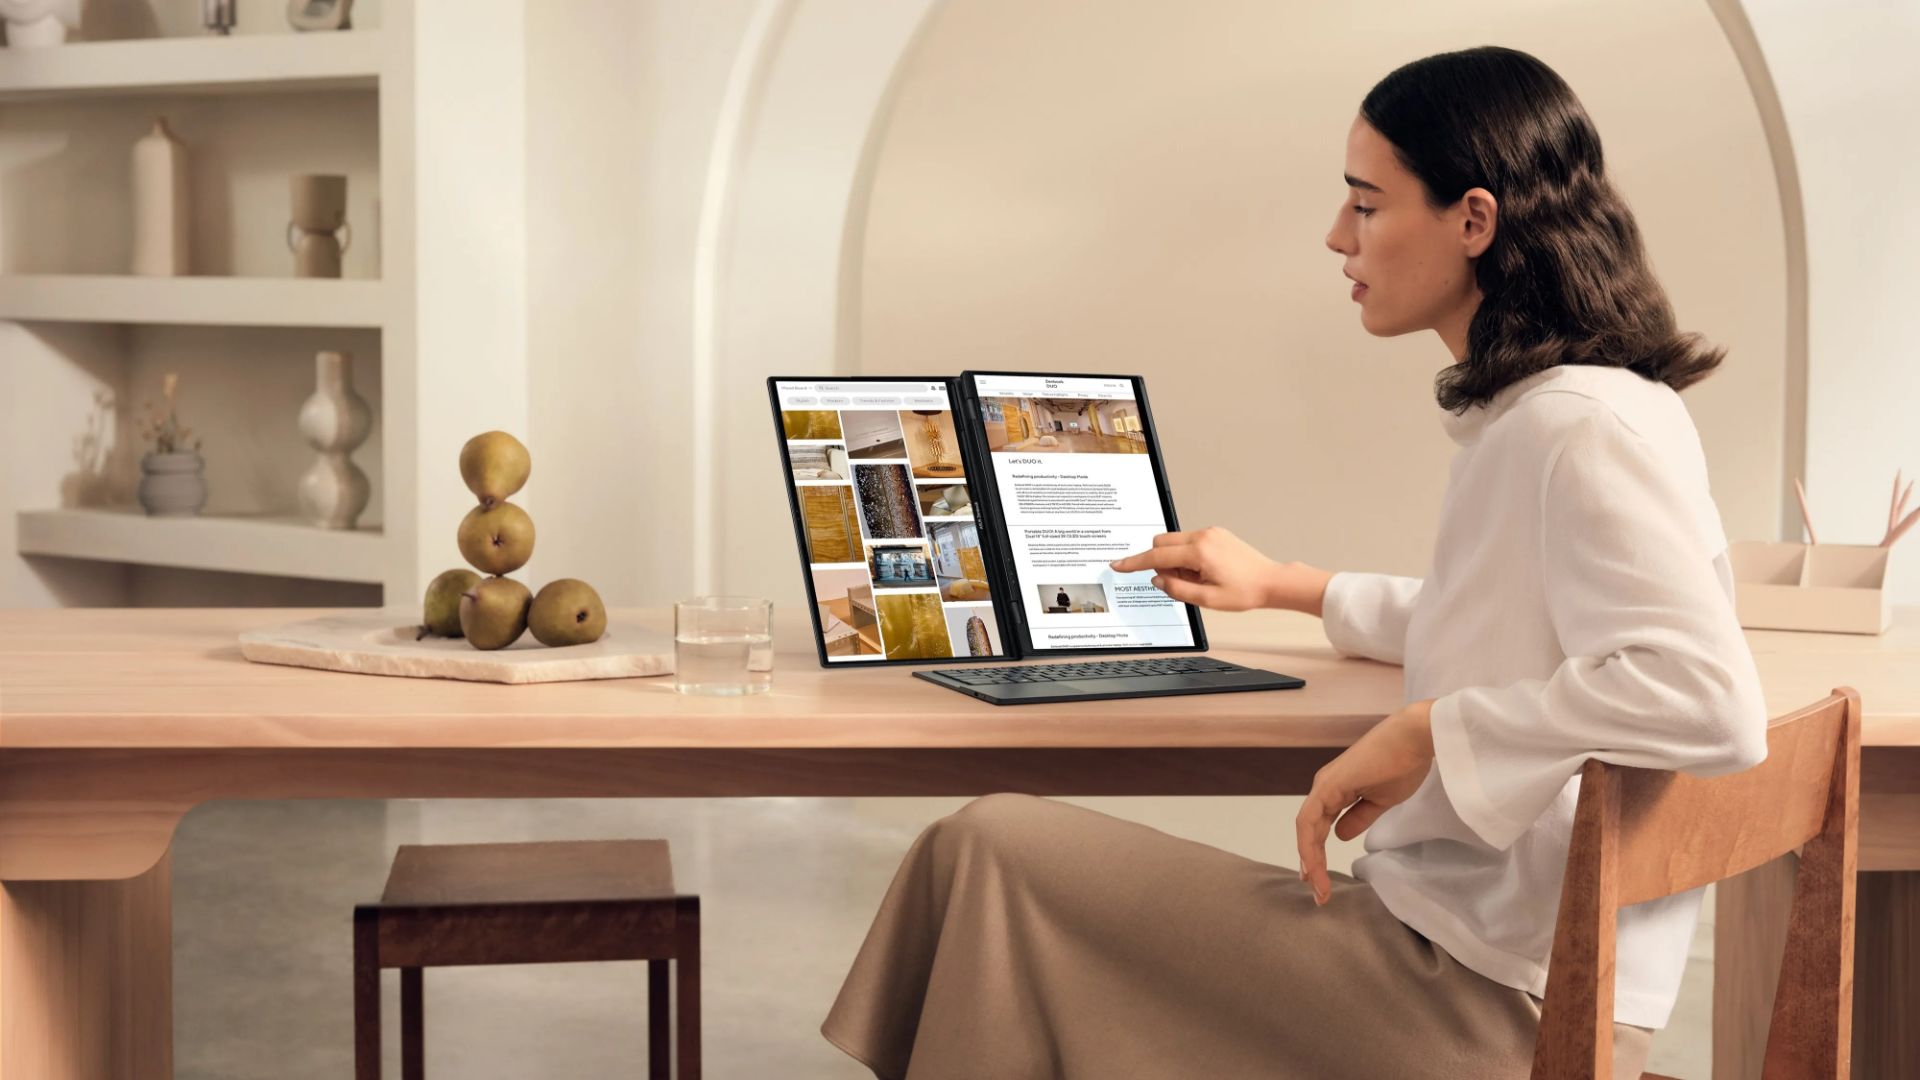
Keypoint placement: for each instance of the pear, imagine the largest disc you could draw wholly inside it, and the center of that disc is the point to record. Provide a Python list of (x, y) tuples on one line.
[(442, 614), (495, 465), (497, 539), (567, 612), (493, 614)]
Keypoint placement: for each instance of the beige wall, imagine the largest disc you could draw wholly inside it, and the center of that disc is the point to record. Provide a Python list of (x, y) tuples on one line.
[(1148, 190), (621, 113), (1850, 94)]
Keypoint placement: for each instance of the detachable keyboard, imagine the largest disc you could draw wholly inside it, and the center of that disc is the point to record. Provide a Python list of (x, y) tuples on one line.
[(1096, 680)]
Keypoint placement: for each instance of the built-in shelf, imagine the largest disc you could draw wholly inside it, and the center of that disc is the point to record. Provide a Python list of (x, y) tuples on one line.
[(252, 63), (247, 545), (210, 301)]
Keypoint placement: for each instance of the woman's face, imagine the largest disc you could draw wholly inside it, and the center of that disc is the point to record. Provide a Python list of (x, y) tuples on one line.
[(1412, 265)]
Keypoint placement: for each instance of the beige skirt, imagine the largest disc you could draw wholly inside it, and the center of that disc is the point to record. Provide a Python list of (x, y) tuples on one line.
[(1025, 937)]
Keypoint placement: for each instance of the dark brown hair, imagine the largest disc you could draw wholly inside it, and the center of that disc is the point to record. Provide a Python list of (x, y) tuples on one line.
[(1565, 280)]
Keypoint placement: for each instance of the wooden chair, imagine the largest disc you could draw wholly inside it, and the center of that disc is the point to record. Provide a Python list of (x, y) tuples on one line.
[(1641, 834), (454, 905)]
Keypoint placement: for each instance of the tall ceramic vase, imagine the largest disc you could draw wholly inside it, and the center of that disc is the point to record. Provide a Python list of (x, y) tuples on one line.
[(160, 203), (335, 421)]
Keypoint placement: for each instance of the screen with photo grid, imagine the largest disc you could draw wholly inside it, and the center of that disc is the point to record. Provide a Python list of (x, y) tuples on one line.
[(884, 518)]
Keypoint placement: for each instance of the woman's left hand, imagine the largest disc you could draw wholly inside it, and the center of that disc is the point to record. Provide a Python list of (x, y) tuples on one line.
[(1381, 770)]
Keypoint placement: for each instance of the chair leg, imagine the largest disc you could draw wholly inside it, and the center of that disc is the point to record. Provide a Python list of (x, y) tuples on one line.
[(413, 1026), (659, 1027), (366, 994), (687, 959)]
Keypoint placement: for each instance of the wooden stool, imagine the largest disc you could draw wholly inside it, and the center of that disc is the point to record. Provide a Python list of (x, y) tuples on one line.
[(465, 904)]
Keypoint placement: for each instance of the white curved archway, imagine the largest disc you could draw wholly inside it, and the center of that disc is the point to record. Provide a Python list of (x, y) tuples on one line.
[(793, 277), (812, 80)]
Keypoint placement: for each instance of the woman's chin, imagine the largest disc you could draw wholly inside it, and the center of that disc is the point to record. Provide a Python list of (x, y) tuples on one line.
[(1381, 325), (1377, 325)]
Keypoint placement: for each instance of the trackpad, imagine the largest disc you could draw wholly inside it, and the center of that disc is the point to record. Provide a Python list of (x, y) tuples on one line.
[(1147, 683)]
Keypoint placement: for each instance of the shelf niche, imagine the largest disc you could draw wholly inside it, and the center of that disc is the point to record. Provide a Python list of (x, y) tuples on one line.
[(66, 188)]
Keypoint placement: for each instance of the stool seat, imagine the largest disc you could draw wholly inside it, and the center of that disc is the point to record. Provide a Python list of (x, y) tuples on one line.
[(574, 870), (540, 903)]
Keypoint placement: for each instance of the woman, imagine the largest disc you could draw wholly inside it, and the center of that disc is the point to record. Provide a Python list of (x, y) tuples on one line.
[(1579, 605)]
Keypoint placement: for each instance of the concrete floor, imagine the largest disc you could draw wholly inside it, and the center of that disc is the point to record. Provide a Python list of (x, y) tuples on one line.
[(263, 896)]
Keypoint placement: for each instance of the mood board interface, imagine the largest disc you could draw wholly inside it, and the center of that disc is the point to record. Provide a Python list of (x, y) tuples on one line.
[(887, 522)]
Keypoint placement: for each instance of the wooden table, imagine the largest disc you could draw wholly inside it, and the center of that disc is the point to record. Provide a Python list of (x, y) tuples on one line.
[(115, 723)]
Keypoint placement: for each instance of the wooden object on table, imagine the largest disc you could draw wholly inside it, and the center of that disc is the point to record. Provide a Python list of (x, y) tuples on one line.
[(1827, 587), (386, 641), (462, 905), (1642, 834), (115, 723)]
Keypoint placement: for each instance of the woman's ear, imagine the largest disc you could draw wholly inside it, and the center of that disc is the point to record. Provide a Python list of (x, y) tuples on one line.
[(1481, 217)]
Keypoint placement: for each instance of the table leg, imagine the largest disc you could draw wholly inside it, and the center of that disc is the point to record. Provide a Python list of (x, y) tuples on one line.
[(1750, 927), (86, 978), (1886, 974)]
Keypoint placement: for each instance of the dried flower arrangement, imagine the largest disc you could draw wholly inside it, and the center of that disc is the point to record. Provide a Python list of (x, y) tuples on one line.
[(162, 427)]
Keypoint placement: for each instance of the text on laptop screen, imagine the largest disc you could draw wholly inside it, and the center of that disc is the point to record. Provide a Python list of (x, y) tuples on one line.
[(1077, 490), (891, 542)]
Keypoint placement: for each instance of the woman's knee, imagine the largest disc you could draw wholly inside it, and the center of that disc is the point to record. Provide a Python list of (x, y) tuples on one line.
[(1003, 820)]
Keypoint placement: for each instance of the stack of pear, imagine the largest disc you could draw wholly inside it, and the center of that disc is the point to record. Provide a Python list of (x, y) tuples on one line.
[(496, 537)]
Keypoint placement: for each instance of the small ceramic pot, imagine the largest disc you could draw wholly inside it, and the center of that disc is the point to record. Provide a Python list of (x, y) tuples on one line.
[(173, 484)]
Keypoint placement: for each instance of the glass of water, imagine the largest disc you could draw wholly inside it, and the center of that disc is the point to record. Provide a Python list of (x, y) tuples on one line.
[(723, 645)]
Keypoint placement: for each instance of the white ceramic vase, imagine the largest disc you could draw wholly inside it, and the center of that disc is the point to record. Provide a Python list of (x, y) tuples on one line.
[(160, 208), (335, 421), (33, 24)]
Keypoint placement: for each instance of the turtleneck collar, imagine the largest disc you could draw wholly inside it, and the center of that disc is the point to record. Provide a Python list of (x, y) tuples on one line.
[(1464, 428)]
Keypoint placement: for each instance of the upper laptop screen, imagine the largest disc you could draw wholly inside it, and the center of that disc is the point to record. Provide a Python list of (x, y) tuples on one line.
[(885, 521), (1072, 463)]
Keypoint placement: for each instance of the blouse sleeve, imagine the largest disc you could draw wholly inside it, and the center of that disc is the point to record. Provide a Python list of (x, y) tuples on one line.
[(1366, 614), (1657, 672)]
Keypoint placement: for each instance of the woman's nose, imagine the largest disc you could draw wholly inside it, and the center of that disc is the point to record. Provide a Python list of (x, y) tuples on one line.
[(1335, 240)]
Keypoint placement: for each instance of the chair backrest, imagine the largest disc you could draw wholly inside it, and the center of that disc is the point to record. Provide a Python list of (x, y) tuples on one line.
[(1641, 834)]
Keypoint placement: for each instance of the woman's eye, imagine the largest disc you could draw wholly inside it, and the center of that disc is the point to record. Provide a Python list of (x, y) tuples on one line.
[(1363, 211)]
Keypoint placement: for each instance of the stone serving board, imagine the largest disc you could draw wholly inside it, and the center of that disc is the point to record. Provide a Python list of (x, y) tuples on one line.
[(381, 642)]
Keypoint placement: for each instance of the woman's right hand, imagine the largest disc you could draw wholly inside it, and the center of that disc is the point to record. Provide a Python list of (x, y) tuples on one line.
[(1213, 568)]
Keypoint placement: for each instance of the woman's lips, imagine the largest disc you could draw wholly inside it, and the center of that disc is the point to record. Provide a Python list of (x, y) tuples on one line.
[(1359, 290)]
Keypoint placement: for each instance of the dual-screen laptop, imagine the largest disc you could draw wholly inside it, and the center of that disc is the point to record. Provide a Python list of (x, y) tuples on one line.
[(972, 520)]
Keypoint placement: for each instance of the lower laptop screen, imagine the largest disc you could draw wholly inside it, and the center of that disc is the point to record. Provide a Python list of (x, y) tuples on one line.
[(1071, 460), (885, 521)]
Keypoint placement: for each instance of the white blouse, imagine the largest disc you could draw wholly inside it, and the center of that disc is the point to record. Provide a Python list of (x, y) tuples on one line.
[(1579, 605)]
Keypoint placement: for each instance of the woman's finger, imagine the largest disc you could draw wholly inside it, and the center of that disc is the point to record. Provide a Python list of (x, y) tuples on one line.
[(1188, 592), (1310, 831), (1176, 556), (1358, 818)]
